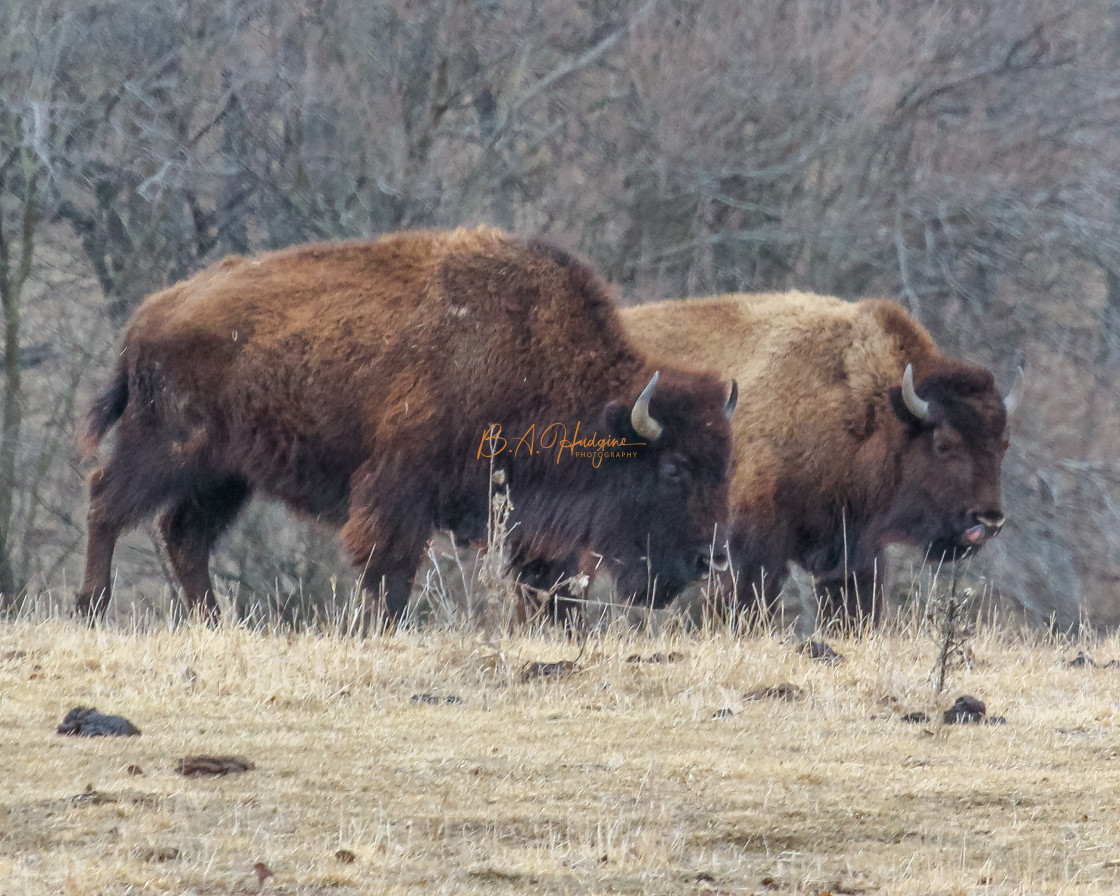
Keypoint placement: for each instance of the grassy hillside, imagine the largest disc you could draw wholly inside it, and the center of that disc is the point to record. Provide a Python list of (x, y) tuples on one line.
[(622, 777)]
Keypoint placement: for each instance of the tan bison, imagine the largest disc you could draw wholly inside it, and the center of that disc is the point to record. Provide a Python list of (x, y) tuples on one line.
[(367, 385), (856, 432)]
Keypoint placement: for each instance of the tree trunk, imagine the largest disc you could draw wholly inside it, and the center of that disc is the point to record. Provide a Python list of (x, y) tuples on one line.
[(11, 285)]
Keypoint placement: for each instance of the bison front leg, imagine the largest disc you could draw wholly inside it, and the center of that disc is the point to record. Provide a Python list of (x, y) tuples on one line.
[(741, 598), (851, 601), (385, 536), (549, 591), (747, 594)]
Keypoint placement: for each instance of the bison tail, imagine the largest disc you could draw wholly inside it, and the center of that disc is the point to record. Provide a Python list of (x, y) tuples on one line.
[(107, 409)]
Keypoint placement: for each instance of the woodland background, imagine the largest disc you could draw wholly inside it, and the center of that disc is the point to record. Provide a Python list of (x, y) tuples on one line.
[(963, 157)]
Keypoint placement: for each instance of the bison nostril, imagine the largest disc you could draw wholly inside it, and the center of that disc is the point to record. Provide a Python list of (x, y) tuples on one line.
[(992, 520), (711, 561)]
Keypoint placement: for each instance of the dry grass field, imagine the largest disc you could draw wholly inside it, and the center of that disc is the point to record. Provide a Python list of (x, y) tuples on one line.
[(621, 777)]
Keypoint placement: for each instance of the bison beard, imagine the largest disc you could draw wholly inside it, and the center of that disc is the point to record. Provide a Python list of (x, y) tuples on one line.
[(856, 433), (354, 382)]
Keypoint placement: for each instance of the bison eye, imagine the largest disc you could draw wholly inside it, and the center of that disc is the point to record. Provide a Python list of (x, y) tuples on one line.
[(673, 470), (945, 443)]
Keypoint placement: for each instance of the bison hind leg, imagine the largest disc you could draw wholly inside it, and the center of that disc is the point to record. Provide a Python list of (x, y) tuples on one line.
[(121, 493), (191, 527)]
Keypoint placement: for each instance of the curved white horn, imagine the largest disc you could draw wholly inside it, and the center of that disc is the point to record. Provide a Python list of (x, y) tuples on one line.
[(1016, 394), (917, 406), (644, 425)]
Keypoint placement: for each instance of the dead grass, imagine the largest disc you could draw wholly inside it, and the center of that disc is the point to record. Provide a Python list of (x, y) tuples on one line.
[(616, 779)]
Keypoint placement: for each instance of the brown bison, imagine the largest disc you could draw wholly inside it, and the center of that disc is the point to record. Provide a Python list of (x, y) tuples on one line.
[(377, 385), (857, 433)]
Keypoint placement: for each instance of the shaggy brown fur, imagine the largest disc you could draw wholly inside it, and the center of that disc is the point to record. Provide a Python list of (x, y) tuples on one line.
[(354, 382), (830, 464)]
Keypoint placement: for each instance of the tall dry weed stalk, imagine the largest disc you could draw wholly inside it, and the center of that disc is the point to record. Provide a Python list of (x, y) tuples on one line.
[(497, 589), (479, 591), (953, 631)]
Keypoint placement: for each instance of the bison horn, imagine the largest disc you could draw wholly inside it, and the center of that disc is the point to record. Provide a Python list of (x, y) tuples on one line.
[(1016, 394), (732, 400), (917, 406), (644, 425)]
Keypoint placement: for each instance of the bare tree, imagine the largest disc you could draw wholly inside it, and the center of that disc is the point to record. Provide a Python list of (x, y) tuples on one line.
[(961, 156)]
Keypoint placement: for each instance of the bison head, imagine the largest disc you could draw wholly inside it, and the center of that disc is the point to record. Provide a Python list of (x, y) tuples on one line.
[(949, 498), (664, 527)]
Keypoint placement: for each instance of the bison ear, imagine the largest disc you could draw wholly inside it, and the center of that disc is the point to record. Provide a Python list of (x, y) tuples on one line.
[(616, 420)]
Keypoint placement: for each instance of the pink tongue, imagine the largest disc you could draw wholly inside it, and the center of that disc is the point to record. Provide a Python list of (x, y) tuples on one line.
[(975, 535)]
